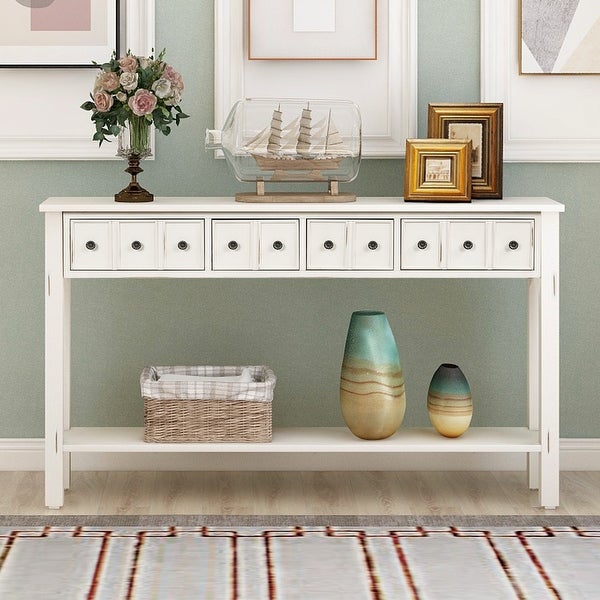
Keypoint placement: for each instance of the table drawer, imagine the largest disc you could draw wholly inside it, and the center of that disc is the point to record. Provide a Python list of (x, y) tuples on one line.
[(91, 245), (366, 244), (513, 245), (184, 245), (466, 245), (244, 245), (136, 245), (430, 244)]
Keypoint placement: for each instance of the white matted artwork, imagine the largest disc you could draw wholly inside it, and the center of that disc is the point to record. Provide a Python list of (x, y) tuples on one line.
[(57, 33), (388, 116), (560, 37), (58, 129), (312, 29), (546, 119)]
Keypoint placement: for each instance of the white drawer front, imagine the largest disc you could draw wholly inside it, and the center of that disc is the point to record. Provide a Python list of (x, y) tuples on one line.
[(373, 245), (232, 248), (279, 247), (466, 245), (184, 245), (513, 245), (420, 244), (326, 244), (137, 245), (91, 245)]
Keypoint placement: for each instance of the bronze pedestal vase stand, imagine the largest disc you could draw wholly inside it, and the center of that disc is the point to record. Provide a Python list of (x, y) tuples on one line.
[(134, 192)]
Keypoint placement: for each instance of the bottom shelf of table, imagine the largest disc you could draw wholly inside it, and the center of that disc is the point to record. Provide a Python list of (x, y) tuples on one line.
[(313, 439)]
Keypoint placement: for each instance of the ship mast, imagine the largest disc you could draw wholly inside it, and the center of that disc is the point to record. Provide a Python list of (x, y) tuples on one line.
[(304, 135), (274, 144)]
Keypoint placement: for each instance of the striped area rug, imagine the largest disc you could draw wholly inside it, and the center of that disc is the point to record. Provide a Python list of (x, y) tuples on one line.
[(299, 562)]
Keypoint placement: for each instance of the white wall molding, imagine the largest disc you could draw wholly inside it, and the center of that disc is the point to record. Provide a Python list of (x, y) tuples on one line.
[(57, 129), (389, 116), (547, 118), (576, 454)]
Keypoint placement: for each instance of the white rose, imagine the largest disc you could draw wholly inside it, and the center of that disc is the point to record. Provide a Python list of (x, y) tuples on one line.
[(128, 81), (121, 96), (161, 87), (174, 99), (144, 62)]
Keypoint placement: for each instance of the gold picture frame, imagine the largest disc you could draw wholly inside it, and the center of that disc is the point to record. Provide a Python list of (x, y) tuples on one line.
[(438, 170), (482, 124)]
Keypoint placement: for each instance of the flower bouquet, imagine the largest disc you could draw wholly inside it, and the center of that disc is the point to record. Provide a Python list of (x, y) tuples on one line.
[(130, 94)]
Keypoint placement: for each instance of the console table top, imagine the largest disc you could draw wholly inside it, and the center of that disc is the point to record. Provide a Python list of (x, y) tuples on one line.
[(210, 204)]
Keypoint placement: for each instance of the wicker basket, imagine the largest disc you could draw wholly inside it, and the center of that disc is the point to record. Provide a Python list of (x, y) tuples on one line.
[(199, 411)]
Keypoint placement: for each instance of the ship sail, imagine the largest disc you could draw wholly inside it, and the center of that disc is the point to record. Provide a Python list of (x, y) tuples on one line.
[(298, 142), (334, 144), (274, 144), (304, 135)]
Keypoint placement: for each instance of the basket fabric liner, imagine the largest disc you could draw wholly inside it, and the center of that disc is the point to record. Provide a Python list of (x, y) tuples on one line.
[(258, 390)]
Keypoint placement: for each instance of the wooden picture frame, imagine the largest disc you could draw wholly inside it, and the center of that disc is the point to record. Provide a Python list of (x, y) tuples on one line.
[(312, 30), (482, 124), (438, 170), (59, 33)]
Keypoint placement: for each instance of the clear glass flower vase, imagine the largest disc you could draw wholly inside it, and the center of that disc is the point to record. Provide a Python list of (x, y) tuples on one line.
[(134, 145)]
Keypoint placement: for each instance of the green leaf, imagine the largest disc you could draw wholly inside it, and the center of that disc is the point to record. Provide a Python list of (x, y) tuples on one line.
[(88, 105)]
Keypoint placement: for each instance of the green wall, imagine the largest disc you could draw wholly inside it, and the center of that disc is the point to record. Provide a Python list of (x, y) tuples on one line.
[(297, 327)]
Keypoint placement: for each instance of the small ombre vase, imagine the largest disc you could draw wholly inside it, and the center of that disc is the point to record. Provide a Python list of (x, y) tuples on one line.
[(372, 394), (449, 401)]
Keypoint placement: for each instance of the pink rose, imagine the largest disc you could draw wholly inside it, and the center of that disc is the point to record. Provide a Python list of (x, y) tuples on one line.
[(174, 77), (103, 101), (107, 81), (142, 102), (128, 63)]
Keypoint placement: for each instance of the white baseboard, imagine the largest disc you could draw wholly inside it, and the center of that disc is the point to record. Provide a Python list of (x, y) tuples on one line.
[(581, 454)]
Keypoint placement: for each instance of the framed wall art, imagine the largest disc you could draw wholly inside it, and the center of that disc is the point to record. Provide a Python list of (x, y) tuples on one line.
[(312, 30), (58, 129), (58, 33), (388, 116), (559, 37), (546, 118), (438, 170), (482, 124)]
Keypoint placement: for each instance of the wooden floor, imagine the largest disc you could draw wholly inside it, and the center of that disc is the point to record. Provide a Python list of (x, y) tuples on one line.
[(299, 493)]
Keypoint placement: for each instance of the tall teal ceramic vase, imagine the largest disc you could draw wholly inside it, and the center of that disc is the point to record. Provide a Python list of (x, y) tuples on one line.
[(372, 394), (449, 401)]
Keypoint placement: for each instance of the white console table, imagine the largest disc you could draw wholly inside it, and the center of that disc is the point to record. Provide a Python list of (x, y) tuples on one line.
[(372, 237)]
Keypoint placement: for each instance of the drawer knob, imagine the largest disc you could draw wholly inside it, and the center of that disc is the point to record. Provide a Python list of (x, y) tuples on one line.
[(468, 245), (182, 245), (91, 245), (277, 245), (373, 245), (136, 245), (513, 244), (328, 244), (421, 244), (233, 245)]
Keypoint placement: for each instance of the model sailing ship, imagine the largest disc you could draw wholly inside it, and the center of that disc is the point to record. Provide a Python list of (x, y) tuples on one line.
[(299, 145), (291, 141)]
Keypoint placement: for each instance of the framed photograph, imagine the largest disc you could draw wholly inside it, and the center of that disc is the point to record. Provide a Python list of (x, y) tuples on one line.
[(559, 37), (482, 124), (312, 30), (58, 33), (438, 170)]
